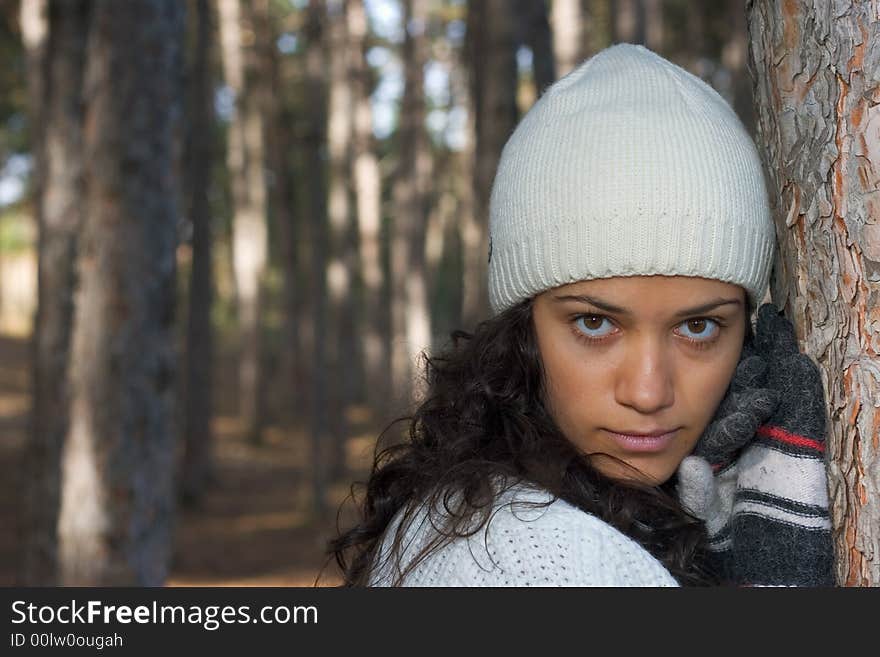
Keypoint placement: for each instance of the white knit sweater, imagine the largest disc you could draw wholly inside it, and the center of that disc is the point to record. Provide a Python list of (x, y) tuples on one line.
[(524, 545)]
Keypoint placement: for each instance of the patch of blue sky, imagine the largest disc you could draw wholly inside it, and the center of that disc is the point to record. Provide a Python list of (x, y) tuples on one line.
[(437, 83), (524, 59), (287, 43), (14, 178), (386, 19), (224, 102)]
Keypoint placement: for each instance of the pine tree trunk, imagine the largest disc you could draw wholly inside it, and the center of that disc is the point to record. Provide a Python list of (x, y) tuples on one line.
[(34, 25), (569, 31), (55, 64), (368, 192), (316, 238), (60, 215), (653, 18), (279, 145), (117, 505), (697, 46), (734, 57), (340, 268), (493, 85), (534, 31), (410, 318), (196, 469), (817, 91), (628, 21), (246, 163)]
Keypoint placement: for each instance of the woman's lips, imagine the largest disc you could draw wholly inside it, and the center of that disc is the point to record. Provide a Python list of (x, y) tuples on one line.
[(643, 443)]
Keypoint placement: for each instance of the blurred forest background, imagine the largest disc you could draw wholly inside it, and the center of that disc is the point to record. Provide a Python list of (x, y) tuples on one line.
[(228, 230)]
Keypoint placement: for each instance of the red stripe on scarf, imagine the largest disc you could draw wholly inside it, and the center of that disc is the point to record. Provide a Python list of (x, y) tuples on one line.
[(784, 436)]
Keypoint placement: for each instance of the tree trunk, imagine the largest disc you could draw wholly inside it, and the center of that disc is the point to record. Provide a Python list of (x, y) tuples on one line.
[(410, 318), (493, 85), (628, 21), (653, 19), (697, 43), (734, 57), (569, 32), (55, 69), (317, 241), (246, 162), (462, 185), (817, 91), (368, 192), (33, 22), (117, 506), (279, 145), (534, 31), (340, 267), (196, 469)]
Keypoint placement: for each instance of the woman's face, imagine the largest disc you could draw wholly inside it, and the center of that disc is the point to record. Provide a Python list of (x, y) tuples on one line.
[(638, 354)]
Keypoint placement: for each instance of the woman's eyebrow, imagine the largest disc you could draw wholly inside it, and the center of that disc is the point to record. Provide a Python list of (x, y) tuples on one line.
[(611, 308)]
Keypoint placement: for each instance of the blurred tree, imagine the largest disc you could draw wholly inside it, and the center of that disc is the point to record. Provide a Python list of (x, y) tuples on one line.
[(628, 21), (534, 31), (367, 181), (734, 58), (411, 327), (117, 502), (570, 25), (698, 35), (817, 91), (654, 24), (33, 22), (56, 97), (493, 84), (196, 467), (287, 218), (342, 332), (14, 96), (246, 164), (317, 238)]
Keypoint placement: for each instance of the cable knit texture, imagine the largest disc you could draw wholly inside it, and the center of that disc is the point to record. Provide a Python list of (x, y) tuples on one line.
[(628, 166), (524, 545)]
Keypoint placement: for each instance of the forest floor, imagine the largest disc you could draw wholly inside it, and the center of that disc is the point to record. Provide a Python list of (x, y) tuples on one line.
[(254, 527)]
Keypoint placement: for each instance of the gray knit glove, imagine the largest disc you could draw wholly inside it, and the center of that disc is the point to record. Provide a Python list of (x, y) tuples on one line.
[(707, 479), (757, 476)]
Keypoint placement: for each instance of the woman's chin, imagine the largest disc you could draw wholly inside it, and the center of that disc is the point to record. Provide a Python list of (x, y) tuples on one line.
[(651, 474)]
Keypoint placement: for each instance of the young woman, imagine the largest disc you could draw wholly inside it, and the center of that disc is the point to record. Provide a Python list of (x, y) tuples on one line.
[(616, 422)]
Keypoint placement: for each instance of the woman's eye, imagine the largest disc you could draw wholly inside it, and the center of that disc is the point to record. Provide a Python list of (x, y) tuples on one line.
[(589, 325), (700, 329), (697, 330)]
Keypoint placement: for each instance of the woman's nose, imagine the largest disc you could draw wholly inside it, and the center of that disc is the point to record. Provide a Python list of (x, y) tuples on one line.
[(645, 378)]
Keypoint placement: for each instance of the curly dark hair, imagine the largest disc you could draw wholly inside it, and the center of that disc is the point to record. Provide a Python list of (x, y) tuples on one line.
[(484, 417)]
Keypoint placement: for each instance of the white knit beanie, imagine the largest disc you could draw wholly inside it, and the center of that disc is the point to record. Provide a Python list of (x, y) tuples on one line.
[(628, 166)]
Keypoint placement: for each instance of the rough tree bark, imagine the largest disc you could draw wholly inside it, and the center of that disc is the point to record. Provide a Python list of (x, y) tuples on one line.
[(817, 93), (196, 467), (246, 163), (117, 505), (493, 84)]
